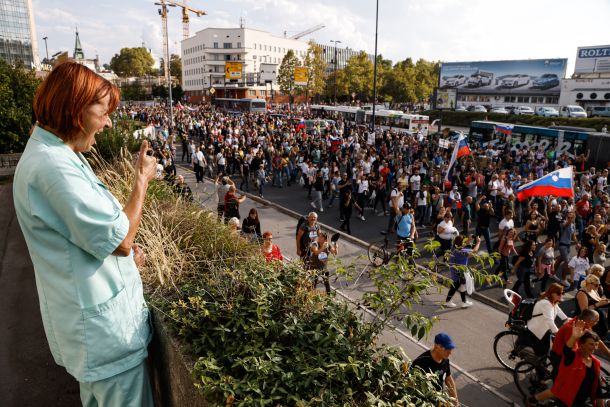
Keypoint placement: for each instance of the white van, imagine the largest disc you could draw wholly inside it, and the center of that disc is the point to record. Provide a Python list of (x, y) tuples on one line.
[(572, 111), (600, 111)]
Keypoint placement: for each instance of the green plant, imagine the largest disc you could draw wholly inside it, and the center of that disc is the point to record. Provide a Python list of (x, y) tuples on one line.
[(258, 333)]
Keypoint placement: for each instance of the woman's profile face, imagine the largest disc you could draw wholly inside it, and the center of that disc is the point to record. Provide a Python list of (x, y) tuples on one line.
[(95, 119)]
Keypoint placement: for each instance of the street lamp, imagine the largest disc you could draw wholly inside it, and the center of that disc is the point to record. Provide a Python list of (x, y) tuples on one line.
[(45, 47), (335, 74), (375, 69)]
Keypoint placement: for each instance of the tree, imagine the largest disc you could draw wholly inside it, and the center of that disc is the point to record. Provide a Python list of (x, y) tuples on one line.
[(314, 61), (175, 67), (17, 88), (134, 91), (132, 62), (285, 76), (358, 76)]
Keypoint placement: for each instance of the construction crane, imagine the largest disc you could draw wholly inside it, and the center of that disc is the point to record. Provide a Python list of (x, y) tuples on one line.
[(304, 33), (185, 16)]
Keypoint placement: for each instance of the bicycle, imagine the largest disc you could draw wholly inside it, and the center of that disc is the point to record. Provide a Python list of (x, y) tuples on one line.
[(379, 252), (533, 374), (508, 345)]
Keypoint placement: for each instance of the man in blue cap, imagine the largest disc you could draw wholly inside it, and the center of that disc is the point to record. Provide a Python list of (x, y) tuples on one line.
[(436, 360)]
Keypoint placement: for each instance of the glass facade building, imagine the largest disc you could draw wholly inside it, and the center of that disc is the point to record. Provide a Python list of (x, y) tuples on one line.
[(17, 33)]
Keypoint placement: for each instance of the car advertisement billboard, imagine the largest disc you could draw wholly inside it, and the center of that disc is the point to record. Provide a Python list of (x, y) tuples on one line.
[(523, 77), (592, 59)]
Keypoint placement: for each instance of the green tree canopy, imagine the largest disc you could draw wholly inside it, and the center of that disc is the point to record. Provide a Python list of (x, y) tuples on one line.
[(314, 61), (17, 89), (175, 67), (132, 62), (285, 76), (358, 77)]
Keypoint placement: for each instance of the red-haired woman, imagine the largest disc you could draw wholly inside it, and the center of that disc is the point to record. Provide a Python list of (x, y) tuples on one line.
[(270, 251), (81, 240)]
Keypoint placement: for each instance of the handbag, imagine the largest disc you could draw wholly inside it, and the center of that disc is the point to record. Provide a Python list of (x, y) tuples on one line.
[(469, 283), (373, 196)]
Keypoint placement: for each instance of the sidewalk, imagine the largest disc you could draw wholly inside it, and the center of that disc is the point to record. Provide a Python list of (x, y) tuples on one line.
[(473, 391), (28, 374)]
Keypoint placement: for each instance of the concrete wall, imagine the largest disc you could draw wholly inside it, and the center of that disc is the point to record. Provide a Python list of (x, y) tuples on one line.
[(170, 370)]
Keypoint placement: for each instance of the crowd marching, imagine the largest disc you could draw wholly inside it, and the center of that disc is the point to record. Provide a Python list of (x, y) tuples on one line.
[(471, 197)]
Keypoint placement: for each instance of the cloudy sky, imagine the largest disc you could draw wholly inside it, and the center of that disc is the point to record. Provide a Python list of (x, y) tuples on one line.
[(445, 30)]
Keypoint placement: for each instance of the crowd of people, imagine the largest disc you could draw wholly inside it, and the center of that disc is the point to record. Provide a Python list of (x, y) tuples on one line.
[(558, 242)]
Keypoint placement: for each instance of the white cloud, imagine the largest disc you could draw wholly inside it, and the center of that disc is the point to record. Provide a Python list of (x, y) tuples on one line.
[(450, 30)]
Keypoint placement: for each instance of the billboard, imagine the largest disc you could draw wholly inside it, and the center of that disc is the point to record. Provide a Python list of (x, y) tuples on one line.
[(233, 70), (268, 73), (592, 59), (446, 98), (523, 77), (301, 75)]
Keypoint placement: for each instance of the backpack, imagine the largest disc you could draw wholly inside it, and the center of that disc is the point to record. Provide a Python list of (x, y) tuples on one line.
[(523, 311)]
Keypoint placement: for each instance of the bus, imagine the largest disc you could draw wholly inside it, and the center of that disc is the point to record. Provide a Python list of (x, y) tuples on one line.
[(562, 139), (238, 106), (385, 118)]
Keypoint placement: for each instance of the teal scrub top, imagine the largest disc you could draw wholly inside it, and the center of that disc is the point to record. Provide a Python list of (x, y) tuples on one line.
[(92, 302)]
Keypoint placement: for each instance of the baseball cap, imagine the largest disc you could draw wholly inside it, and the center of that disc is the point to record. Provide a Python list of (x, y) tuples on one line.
[(444, 340)]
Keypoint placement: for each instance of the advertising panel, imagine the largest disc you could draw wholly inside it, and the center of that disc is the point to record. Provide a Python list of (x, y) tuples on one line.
[(592, 59), (233, 70), (446, 98), (268, 73), (524, 77), (301, 75)]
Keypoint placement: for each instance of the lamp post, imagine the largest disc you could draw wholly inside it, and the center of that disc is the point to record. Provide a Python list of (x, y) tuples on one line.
[(168, 75), (375, 68), (335, 73), (45, 38)]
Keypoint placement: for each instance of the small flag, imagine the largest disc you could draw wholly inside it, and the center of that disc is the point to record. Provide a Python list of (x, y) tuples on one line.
[(301, 124), (504, 129), (556, 183)]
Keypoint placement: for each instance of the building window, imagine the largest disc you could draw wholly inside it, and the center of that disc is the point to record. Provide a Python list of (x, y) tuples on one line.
[(215, 45), (227, 45), (523, 99), (227, 57), (239, 45), (509, 99), (552, 99)]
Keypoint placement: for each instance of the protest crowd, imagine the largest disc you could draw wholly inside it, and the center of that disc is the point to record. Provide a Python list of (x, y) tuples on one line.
[(545, 215)]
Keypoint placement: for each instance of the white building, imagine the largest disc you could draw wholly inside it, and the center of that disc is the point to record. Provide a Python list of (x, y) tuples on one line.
[(590, 84), (204, 56)]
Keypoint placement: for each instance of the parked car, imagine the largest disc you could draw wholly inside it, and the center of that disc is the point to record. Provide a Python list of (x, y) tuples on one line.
[(499, 110), (572, 111), (479, 108), (547, 112), (454, 81), (524, 110), (480, 79), (546, 81), (515, 81), (510, 109), (600, 111), (460, 109)]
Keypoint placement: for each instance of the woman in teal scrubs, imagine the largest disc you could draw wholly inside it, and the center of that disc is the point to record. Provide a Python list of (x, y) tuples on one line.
[(81, 241)]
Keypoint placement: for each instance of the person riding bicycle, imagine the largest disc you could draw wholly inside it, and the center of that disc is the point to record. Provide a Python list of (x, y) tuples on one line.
[(405, 223), (578, 379), (542, 325)]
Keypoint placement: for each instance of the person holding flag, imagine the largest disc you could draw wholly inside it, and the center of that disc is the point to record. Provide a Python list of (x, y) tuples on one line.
[(460, 150), (556, 183)]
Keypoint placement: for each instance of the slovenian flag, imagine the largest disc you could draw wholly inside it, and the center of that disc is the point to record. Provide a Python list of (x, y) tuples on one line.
[(460, 150), (556, 183), (301, 125), (504, 129)]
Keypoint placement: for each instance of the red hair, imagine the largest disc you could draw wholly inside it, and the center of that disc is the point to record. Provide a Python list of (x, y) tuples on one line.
[(65, 93)]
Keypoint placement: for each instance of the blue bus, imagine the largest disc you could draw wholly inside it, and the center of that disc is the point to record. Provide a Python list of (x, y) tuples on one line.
[(561, 139)]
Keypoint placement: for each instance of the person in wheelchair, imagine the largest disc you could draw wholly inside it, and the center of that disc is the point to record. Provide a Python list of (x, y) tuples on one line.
[(542, 326)]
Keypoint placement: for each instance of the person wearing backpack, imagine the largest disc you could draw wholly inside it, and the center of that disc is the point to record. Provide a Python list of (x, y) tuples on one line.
[(307, 232), (542, 323)]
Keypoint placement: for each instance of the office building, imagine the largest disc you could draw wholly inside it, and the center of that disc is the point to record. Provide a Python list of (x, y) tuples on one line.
[(18, 33)]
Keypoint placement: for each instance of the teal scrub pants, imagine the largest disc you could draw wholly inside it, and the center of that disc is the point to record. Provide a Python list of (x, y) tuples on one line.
[(127, 389)]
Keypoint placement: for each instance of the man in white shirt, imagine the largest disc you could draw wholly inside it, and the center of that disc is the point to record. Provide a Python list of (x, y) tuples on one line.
[(506, 224), (397, 201)]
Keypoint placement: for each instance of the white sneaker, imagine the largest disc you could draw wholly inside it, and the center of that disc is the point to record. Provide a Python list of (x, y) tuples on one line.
[(321, 209), (450, 304), (466, 304), (362, 218), (313, 205)]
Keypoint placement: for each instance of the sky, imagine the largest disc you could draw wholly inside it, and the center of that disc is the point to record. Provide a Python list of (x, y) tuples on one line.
[(438, 30)]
